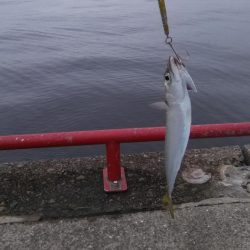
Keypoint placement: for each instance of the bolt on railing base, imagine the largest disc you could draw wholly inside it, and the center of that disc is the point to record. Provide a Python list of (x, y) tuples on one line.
[(114, 186)]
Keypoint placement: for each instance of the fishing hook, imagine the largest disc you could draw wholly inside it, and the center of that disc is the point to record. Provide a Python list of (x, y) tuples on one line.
[(169, 41)]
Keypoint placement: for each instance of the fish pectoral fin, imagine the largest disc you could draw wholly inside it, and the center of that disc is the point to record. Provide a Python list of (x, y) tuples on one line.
[(167, 201), (159, 105)]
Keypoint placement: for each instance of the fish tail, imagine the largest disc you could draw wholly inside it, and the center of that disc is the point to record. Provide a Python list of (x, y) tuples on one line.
[(171, 207), (167, 200)]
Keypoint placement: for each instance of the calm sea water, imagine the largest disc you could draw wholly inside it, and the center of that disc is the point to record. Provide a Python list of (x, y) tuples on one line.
[(82, 65)]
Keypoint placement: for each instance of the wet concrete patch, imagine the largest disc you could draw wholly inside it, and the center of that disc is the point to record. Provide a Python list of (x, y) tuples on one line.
[(73, 187)]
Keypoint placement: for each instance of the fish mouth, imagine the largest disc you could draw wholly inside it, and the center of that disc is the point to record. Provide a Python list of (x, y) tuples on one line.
[(169, 67), (173, 62), (178, 63), (167, 71)]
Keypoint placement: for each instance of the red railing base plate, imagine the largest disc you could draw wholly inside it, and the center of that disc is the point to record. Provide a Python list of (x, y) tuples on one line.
[(114, 186)]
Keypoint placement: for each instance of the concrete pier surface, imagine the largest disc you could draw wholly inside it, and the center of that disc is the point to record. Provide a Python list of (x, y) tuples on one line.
[(60, 204)]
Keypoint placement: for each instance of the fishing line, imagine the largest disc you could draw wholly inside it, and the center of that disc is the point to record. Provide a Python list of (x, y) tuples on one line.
[(169, 39)]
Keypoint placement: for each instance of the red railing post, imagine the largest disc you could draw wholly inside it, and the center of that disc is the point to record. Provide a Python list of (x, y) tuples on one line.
[(113, 174), (113, 161)]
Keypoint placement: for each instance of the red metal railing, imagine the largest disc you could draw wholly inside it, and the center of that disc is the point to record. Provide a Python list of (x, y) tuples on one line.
[(113, 174)]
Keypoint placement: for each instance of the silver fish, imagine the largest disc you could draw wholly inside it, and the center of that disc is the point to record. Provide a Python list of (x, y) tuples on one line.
[(178, 121)]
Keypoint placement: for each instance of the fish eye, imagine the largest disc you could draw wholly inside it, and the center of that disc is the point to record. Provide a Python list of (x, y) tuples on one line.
[(167, 77)]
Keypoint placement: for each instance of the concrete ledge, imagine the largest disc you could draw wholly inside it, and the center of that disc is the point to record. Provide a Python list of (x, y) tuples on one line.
[(73, 187)]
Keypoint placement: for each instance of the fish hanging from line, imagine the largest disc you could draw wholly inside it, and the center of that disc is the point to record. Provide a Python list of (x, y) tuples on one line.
[(178, 121)]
